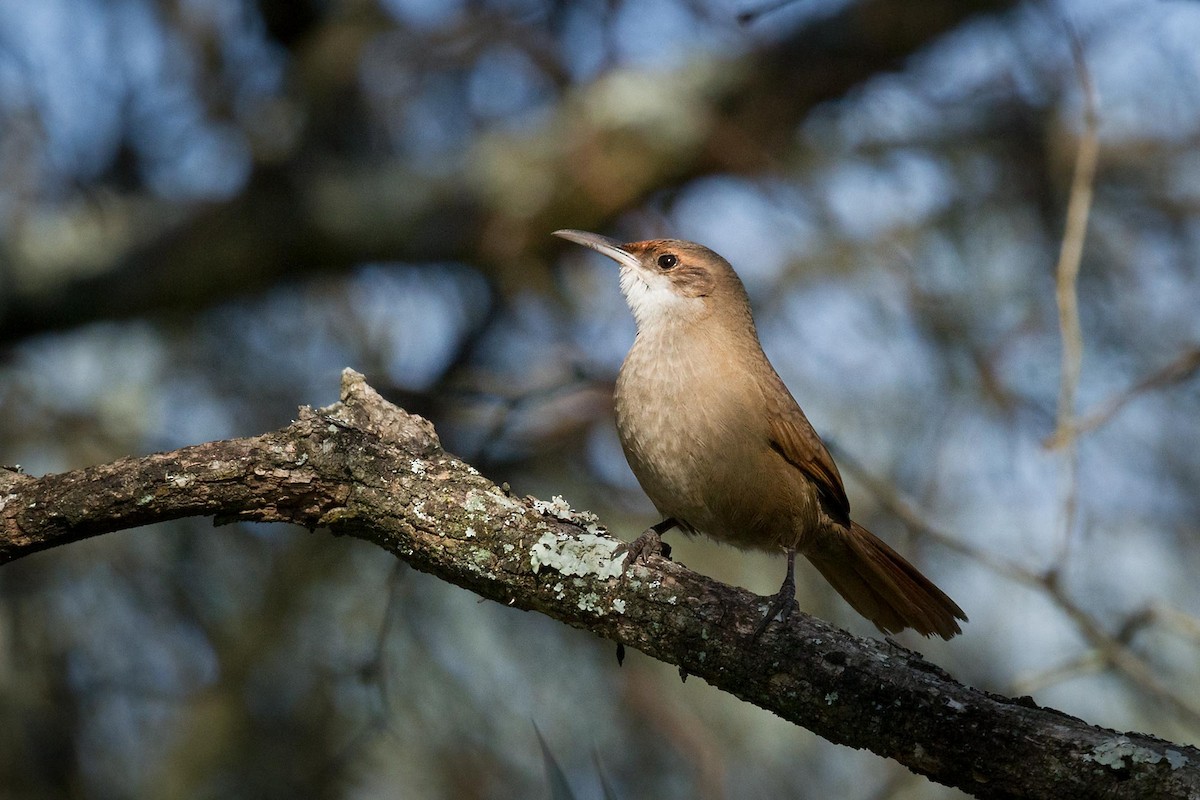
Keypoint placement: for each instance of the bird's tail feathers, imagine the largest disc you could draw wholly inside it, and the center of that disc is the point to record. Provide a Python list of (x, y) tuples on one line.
[(882, 586)]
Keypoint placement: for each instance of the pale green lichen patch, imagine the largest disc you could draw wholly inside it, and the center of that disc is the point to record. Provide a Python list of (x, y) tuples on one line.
[(559, 508), (504, 501), (180, 481), (487, 508), (590, 601), (1112, 753), (555, 507), (475, 503), (618, 605), (220, 470), (585, 554), (480, 562)]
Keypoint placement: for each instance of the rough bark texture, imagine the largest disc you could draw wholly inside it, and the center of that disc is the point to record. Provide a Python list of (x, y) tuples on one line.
[(365, 468)]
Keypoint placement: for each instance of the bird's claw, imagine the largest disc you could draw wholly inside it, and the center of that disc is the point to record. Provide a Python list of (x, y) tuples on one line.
[(782, 605), (643, 548)]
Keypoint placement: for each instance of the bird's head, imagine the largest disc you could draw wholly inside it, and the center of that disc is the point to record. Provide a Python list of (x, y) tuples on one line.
[(670, 279)]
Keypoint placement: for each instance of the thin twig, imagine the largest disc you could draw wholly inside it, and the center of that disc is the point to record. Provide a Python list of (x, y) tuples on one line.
[(1088, 663), (1178, 622), (1180, 369), (1070, 255)]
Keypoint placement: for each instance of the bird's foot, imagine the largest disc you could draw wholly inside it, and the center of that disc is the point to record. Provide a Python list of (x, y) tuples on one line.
[(783, 603), (641, 549), (649, 544)]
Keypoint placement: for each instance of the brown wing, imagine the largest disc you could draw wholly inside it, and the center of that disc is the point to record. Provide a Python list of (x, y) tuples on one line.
[(794, 438)]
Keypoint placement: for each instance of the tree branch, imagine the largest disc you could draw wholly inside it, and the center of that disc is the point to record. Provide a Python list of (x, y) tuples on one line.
[(363, 467)]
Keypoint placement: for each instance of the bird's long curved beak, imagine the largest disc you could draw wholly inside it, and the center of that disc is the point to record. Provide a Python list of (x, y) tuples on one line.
[(601, 244)]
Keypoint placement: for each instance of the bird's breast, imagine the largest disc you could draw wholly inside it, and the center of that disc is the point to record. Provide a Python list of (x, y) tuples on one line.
[(692, 426)]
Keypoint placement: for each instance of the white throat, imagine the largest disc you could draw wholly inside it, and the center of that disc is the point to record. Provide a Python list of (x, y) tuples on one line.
[(654, 301)]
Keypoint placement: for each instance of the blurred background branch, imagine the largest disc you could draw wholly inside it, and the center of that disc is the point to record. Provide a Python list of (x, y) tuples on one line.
[(1070, 256), (208, 208), (314, 208)]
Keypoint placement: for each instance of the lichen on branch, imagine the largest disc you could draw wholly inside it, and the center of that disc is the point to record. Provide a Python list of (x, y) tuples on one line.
[(363, 467)]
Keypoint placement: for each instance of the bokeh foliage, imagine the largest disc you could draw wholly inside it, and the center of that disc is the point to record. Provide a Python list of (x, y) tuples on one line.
[(209, 207)]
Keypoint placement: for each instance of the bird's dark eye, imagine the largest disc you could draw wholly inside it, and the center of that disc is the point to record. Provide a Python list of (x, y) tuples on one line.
[(667, 261)]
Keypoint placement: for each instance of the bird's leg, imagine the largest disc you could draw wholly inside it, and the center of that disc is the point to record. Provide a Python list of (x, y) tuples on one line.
[(784, 601), (650, 543)]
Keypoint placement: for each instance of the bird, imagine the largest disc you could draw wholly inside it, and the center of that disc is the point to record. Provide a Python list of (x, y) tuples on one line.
[(721, 448)]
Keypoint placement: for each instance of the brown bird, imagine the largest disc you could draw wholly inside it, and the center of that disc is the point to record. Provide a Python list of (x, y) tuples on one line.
[(722, 448)]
